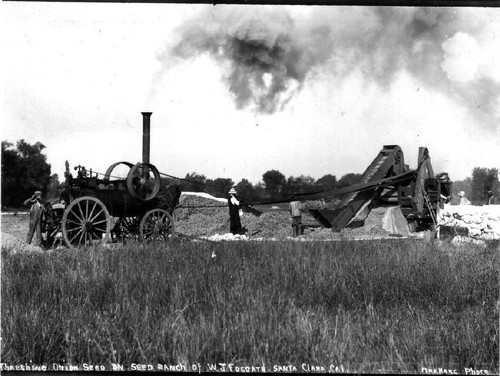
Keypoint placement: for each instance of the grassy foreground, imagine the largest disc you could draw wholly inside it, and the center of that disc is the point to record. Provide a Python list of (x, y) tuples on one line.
[(393, 306)]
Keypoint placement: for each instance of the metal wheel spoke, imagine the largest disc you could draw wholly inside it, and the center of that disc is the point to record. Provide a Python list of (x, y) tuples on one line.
[(87, 208), (75, 229), (76, 215), (82, 235), (101, 230), (77, 234), (73, 238), (87, 234), (97, 215), (74, 222), (81, 212), (92, 211), (99, 222)]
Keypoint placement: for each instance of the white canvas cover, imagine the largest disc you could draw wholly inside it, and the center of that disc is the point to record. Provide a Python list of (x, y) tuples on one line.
[(388, 218)]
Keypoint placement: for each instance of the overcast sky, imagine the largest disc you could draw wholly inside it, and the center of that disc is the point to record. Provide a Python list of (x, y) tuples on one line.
[(239, 90)]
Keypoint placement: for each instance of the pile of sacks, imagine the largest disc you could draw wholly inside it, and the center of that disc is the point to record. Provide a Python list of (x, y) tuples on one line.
[(483, 222)]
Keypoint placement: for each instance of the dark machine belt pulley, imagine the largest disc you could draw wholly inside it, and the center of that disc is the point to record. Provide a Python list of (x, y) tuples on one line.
[(143, 181)]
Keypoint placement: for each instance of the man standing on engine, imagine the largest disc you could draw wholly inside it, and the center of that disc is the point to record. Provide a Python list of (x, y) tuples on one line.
[(36, 210)]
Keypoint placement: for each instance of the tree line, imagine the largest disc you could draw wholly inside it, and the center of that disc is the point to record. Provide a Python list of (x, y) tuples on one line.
[(274, 185), (25, 169), (477, 186)]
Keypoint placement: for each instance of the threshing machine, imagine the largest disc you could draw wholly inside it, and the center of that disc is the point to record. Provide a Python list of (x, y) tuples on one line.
[(388, 182)]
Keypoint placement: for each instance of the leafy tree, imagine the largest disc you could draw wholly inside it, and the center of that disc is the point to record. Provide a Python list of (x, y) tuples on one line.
[(55, 187), (483, 180), (164, 181), (193, 183), (219, 187), (461, 185), (24, 170), (274, 182), (260, 192), (349, 179), (246, 191), (301, 184), (10, 177), (327, 183)]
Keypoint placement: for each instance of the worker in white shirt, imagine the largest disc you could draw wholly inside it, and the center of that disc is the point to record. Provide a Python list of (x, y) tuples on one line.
[(463, 200), (295, 209)]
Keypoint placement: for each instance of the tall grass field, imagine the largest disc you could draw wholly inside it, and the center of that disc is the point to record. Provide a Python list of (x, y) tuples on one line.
[(397, 306)]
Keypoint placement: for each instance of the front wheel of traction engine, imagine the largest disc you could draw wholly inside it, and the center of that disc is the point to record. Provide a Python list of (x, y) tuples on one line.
[(156, 225), (85, 221)]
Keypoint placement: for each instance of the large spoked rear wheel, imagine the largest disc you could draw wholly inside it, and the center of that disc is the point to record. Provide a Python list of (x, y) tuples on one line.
[(86, 221), (156, 225)]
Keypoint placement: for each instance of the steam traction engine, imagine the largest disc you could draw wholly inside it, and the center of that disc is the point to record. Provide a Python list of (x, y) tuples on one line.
[(110, 208)]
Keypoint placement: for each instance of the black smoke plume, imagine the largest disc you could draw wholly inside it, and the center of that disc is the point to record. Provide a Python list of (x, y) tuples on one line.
[(269, 53)]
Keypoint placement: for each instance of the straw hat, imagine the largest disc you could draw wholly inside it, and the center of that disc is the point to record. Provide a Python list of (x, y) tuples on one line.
[(232, 191), (461, 194)]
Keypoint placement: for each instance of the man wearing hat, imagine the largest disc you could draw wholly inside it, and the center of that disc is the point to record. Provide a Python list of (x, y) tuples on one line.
[(463, 200), (36, 210), (234, 213)]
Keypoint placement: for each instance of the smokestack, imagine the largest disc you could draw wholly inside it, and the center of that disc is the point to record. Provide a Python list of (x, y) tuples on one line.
[(146, 133)]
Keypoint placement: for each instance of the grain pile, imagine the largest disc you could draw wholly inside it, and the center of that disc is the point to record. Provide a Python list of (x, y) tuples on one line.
[(483, 222), (200, 215), (203, 215)]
